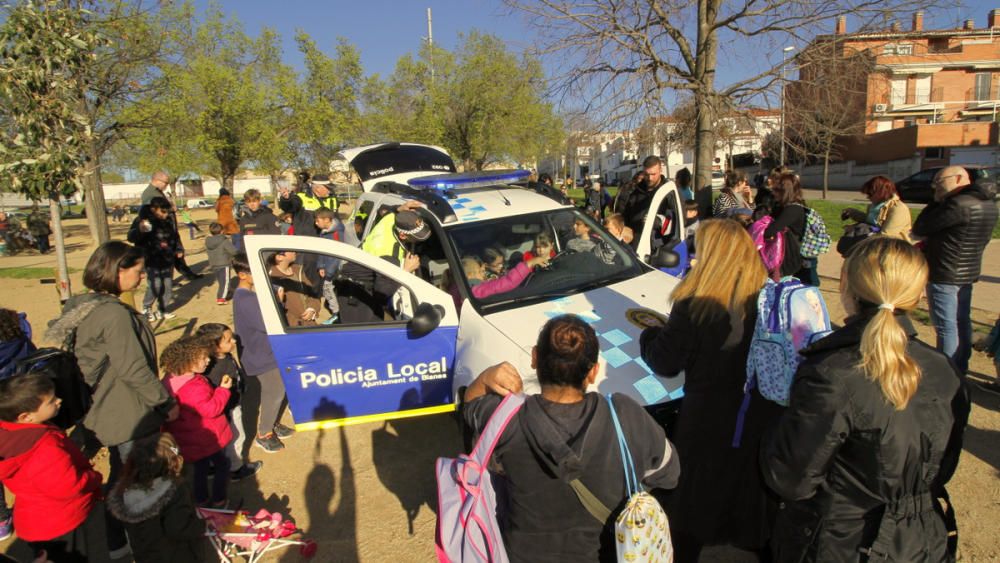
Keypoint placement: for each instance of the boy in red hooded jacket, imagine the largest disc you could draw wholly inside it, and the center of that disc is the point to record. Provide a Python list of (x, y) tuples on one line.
[(54, 483)]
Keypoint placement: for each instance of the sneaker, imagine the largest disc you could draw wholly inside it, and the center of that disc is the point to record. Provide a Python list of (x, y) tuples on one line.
[(220, 301), (248, 470), (168, 316), (120, 552), (269, 443), (283, 432), (6, 528), (151, 315)]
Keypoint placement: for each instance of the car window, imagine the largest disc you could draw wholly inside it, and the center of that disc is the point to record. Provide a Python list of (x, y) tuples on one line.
[(923, 176), (582, 255)]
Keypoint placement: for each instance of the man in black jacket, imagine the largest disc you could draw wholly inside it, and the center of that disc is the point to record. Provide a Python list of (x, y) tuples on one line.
[(638, 200), (956, 228)]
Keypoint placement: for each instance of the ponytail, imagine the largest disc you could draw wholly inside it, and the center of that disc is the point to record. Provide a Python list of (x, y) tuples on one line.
[(892, 273)]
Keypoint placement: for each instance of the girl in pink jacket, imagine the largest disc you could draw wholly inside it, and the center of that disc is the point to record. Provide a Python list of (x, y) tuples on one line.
[(201, 430), (475, 272)]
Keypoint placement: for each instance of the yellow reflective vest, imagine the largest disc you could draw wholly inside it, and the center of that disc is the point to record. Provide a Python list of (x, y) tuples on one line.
[(312, 203), (381, 241)]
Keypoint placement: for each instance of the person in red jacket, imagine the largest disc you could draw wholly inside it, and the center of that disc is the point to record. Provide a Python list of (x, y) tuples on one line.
[(201, 429), (55, 485)]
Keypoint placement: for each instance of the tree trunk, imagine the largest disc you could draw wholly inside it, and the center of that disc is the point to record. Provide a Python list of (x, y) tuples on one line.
[(826, 171), (93, 194), (57, 231), (704, 98)]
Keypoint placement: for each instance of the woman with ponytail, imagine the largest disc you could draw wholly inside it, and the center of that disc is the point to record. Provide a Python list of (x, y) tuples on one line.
[(873, 428), (560, 435)]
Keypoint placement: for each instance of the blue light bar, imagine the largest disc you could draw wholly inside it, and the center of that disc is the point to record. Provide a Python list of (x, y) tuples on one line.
[(468, 180)]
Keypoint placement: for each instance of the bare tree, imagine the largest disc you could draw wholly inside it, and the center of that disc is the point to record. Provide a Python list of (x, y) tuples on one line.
[(626, 54), (827, 105)]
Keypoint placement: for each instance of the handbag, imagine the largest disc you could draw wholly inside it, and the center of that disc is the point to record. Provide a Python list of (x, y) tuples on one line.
[(641, 530)]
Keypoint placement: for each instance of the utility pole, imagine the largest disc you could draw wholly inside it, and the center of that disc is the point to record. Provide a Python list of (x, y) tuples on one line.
[(430, 42)]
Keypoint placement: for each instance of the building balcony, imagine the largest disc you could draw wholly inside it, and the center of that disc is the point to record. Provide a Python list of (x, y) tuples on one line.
[(937, 111)]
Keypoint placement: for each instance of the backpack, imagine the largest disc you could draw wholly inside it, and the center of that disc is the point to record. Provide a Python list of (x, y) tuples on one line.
[(641, 530), (772, 252), (815, 239), (790, 316), (60, 365), (467, 528)]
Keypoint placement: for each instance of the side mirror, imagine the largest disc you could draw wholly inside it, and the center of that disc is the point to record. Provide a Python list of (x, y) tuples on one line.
[(426, 318), (664, 258)]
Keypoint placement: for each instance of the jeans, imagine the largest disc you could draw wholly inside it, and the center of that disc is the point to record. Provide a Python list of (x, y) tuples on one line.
[(159, 288), (218, 464), (951, 307)]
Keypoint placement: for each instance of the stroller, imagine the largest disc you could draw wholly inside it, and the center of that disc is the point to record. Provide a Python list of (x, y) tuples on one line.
[(235, 533)]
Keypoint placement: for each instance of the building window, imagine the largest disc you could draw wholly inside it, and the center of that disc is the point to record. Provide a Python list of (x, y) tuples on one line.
[(897, 94), (983, 86), (934, 153), (922, 93)]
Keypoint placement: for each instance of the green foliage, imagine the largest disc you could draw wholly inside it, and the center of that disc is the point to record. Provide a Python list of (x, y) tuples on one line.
[(43, 48)]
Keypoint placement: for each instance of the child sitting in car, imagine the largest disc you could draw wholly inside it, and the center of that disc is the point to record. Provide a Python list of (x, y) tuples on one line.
[(475, 273), (543, 247)]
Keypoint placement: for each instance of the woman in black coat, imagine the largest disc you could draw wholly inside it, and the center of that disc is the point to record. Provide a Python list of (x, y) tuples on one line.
[(873, 427), (720, 498)]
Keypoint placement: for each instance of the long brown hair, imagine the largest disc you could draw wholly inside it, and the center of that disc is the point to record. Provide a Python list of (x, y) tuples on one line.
[(788, 190), (890, 273), (727, 277)]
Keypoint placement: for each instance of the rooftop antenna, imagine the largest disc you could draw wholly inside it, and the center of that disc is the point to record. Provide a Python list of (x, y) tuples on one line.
[(430, 42)]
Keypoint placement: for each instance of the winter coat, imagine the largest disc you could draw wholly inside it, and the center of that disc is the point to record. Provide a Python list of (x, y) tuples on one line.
[(160, 245), (13, 350), (721, 498), (220, 251), (793, 219), (957, 232), (224, 214), (55, 485), (842, 453), (226, 365), (637, 203), (545, 447), (116, 352), (161, 522), (260, 222), (510, 280), (728, 201), (201, 429), (303, 216)]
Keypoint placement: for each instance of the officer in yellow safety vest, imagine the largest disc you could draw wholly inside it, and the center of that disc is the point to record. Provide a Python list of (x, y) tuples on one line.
[(361, 293), (303, 204)]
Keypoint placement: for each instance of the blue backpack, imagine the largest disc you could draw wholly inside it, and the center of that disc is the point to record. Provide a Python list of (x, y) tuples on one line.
[(790, 316)]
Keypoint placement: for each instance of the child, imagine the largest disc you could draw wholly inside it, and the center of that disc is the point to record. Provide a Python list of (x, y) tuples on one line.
[(258, 219), (220, 252), (543, 246), (615, 225), (219, 339), (298, 296), (330, 228), (582, 241), (690, 221), (201, 428), (156, 234), (155, 504), (495, 262), (286, 224), (55, 486), (191, 224), (258, 360)]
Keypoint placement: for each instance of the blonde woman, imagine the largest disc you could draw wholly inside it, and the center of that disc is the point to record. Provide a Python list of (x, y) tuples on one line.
[(873, 428), (720, 499)]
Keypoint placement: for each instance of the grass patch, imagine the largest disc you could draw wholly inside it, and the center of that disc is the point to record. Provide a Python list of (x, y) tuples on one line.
[(30, 273)]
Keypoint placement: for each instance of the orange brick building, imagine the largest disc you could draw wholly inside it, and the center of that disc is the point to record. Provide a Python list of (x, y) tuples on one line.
[(928, 93)]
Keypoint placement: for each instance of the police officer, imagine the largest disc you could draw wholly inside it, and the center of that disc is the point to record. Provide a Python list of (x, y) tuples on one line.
[(303, 204), (362, 293)]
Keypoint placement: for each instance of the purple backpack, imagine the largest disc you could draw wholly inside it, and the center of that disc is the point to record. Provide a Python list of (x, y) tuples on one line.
[(772, 252), (467, 529)]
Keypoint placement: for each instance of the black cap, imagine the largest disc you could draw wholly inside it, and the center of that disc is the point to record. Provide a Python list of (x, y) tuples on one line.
[(321, 179), (411, 225)]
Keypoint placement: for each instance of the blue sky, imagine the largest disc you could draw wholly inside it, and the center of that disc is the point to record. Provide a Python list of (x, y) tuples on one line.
[(384, 30)]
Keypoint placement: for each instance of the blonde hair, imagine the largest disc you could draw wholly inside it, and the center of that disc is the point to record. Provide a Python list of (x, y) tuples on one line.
[(890, 273), (727, 277), (471, 265)]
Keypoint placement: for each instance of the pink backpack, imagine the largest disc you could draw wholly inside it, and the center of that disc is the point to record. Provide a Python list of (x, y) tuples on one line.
[(467, 529), (772, 252)]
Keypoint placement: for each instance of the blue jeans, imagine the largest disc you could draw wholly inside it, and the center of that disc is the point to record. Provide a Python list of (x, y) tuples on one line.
[(159, 288), (951, 306)]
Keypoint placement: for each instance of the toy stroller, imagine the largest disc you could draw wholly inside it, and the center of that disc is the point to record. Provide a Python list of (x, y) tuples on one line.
[(235, 533)]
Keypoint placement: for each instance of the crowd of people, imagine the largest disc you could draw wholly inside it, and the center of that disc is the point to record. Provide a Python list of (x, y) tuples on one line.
[(855, 462)]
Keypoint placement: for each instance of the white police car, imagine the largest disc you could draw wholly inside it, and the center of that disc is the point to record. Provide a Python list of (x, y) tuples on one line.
[(438, 336)]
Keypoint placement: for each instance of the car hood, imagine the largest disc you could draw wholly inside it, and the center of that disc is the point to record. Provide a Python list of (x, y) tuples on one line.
[(616, 312)]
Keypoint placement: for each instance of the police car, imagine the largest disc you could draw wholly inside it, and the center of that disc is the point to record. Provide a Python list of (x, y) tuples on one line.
[(437, 335)]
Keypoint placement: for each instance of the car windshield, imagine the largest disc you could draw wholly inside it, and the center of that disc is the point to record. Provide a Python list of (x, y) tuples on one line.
[(581, 255)]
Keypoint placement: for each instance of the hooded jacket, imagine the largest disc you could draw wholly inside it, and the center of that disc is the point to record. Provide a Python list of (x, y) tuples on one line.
[(957, 231), (220, 251), (116, 352), (260, 222), (13, 350), (224, 214), (201, 429), (842, 455), (545, 447), (161, 522), (161, 244), (54, 483)]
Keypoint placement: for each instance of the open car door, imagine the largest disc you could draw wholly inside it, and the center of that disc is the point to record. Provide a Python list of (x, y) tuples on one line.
[(340, 374), (664, 228)]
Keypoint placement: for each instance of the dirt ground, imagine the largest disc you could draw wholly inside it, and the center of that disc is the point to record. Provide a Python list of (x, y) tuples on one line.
[(367, 492)]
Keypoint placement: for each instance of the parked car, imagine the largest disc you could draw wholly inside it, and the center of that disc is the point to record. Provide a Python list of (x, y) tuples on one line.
[(198, 204), (918, 189), (718, 179)]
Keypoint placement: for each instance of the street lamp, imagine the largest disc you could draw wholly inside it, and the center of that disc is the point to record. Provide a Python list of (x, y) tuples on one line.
[(784, 59)]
